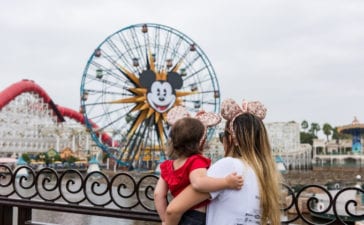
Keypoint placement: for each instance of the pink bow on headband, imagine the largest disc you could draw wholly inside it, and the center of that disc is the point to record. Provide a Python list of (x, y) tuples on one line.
[(230, 109), (209, 119)]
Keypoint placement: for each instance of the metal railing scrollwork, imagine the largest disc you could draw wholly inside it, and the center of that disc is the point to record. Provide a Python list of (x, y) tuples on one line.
[(316, 205), (130, 196)]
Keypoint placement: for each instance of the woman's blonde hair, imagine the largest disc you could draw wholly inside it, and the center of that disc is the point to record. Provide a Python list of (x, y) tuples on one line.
[(254, 148)]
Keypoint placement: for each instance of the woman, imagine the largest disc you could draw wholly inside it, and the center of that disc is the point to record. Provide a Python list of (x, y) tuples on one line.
[(188, 165), (247, 152)]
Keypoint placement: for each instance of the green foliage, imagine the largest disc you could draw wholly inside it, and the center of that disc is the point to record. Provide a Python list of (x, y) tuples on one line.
[(304, 125), (327, 129), (57, 158), (26, 157), (315, 127), (307, 138), (339, 136), (72, 159), (310, 132)]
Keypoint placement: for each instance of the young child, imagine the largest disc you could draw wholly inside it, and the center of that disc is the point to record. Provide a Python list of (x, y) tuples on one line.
[(188, 165)]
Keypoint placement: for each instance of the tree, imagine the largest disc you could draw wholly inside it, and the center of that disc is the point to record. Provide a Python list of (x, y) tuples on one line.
[(315, 127), (327, 129), (304, 125), (26, 157), (337, 136), (307, 138)]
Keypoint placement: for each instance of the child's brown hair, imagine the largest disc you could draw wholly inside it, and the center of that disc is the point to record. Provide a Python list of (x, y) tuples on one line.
[(185, 137)]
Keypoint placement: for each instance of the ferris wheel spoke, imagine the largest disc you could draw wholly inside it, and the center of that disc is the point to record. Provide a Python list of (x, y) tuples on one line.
[(136, 142), (182, 57), (206, 80), (112, 83), (95, 117), (163, 57), (111, 123), (99, 117), (208, 92), (102, 68), (120, 55), (117, 67), (90, 91), (146, 39), (115, 49), (192, 75), (190, 63), (141, 55), (127, 46), (175, 51), (156, 42)]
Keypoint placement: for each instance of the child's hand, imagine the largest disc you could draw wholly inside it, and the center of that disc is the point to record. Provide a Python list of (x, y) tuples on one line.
[(234, 181)]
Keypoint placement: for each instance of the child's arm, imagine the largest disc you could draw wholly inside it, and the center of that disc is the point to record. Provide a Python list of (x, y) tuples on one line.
[(201, 182), (183, 202), (160, 198)]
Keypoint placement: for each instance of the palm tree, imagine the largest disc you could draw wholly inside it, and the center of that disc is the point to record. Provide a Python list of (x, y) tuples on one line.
[(327, 129), (304, 125), (315, 127), (336, 135)]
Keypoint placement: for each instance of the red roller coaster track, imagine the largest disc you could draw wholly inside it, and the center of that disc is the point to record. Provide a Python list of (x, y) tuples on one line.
[(24, 86)]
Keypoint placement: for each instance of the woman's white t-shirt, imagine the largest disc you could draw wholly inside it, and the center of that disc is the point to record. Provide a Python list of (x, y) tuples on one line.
[(234, 207)]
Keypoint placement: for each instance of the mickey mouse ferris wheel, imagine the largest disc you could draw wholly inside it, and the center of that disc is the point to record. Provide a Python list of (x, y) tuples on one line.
[(133, 78)]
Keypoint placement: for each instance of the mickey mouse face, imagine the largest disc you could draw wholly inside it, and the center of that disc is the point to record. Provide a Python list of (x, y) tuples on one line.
[(161, 94)]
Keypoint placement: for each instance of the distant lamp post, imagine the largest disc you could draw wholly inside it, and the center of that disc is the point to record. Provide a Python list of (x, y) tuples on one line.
[(358, 177), (358, 193)]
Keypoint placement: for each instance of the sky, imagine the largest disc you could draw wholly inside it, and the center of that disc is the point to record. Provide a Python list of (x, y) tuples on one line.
[(303, 59)]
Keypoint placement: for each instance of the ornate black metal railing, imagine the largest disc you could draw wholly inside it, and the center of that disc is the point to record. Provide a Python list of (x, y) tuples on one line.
[(315, 204), (120, 196), (130, 196)]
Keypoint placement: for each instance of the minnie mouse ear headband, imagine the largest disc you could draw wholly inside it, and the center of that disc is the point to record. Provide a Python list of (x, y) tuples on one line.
[(230, 110), (208, 119)]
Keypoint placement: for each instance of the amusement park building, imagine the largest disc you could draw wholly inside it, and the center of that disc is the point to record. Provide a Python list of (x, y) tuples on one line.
[(30, 122), (284, 138), (285, 142), (341, 153)]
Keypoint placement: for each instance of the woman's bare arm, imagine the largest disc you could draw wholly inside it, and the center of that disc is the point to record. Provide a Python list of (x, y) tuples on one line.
[(183, 202)]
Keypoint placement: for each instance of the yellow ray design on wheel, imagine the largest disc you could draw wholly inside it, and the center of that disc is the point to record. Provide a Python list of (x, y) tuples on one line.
[(137, 123)]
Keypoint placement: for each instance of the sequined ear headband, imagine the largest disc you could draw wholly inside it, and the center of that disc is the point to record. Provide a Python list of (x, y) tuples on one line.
[(230, 110), (208, 119)]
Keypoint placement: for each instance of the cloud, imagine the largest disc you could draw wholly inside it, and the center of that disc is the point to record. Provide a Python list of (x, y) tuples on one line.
[(303, 59)]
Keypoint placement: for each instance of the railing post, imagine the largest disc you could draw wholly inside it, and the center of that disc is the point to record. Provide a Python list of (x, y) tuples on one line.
[(24, 214), (6, 215)]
